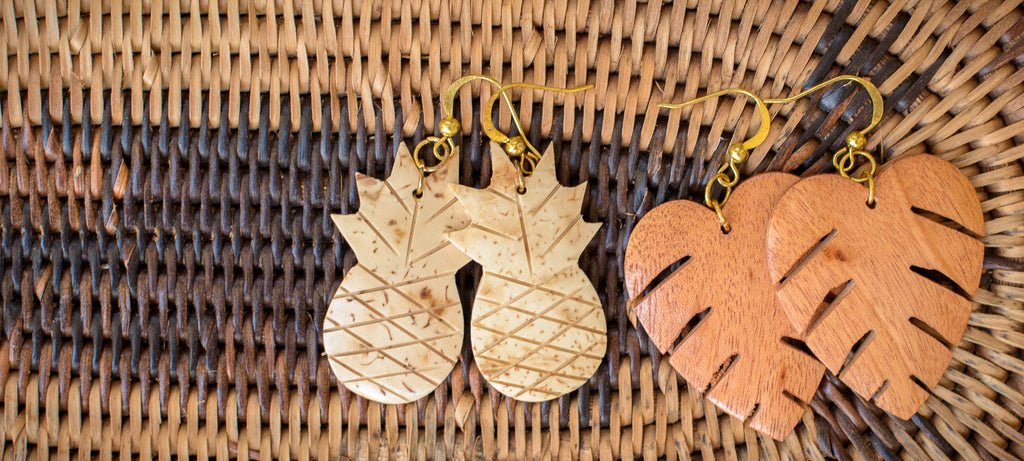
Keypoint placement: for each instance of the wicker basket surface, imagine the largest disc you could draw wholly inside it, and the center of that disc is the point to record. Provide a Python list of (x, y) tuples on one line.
[(168, 170)]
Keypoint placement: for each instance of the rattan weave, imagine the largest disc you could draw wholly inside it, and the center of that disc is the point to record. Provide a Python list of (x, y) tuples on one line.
[(168, 170)]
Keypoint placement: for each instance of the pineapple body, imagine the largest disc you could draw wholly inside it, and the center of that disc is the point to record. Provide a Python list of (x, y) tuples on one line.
[(537, 341), (393, 330), (538, 329), (393, 343)]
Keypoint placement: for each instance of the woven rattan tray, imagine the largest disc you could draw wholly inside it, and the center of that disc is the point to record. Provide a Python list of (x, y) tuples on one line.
[(169, 168)]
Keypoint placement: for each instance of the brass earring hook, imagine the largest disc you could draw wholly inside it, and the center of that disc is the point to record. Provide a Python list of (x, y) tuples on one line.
[(449, 126), (844, 159), (738, 153), (518, 148)]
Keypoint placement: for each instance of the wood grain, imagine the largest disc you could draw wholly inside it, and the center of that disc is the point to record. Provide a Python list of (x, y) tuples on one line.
[(538, 327), (887, 330), (738, 353), (393, 331)]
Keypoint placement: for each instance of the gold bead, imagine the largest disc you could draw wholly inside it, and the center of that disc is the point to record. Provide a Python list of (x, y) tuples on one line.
[(738, 153), (449, 127), (855, 141), (515, 146)]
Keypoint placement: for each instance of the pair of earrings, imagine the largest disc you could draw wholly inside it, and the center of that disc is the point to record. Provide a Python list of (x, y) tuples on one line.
[(393, 331), (754, 299)]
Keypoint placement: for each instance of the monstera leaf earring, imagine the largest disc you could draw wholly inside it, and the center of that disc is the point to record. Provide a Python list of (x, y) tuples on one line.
[(393, 331), (707, 266), (869, 275), (538, 328)]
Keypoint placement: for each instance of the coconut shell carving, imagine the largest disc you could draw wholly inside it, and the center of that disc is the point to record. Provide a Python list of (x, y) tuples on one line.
[(538, 329), (393, 331), (707, 299), (874, 289)]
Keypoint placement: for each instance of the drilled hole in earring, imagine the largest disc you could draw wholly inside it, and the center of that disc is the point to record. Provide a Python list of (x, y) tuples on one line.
[(872, 205), (417, 194), (521, 190)]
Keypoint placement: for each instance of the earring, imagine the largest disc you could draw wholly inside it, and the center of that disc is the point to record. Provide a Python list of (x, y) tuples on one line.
[(538, 328), (698, 279), (393, 331), (871, 276)]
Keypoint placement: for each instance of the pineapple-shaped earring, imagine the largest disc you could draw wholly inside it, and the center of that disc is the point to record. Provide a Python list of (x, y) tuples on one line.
[(393, 331), (538, 328)]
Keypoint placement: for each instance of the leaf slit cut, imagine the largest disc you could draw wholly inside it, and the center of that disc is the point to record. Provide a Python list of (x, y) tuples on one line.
[(810, 254), (659, 279), (794, 398), (798, 345), (723, 369), (828, 304), (928, 330), (920, 383), (878, 392), (941, 279), (945, 221), (691, 326), (855, 352), (753, 411)]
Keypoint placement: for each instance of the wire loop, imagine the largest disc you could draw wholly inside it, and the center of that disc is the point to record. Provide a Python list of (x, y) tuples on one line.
[(845, 159), (738, 153), (518, 148), (443, 146)]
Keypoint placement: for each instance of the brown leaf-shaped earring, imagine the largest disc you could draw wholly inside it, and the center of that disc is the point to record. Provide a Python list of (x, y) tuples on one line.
[(393, 331), (870, 274), (698, 280), (538, 328)]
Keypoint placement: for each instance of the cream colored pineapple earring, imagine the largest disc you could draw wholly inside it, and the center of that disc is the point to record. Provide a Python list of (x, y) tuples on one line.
[(393, 331), (538, 328)]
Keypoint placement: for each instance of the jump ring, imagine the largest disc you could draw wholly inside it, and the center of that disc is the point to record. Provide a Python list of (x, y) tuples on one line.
[(416, 151), (721, 216)]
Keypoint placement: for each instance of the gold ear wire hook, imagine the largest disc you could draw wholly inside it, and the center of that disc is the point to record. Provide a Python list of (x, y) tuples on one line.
[(518, 148), (877, 105), (449, 126), (738, 153), (844, 159)]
